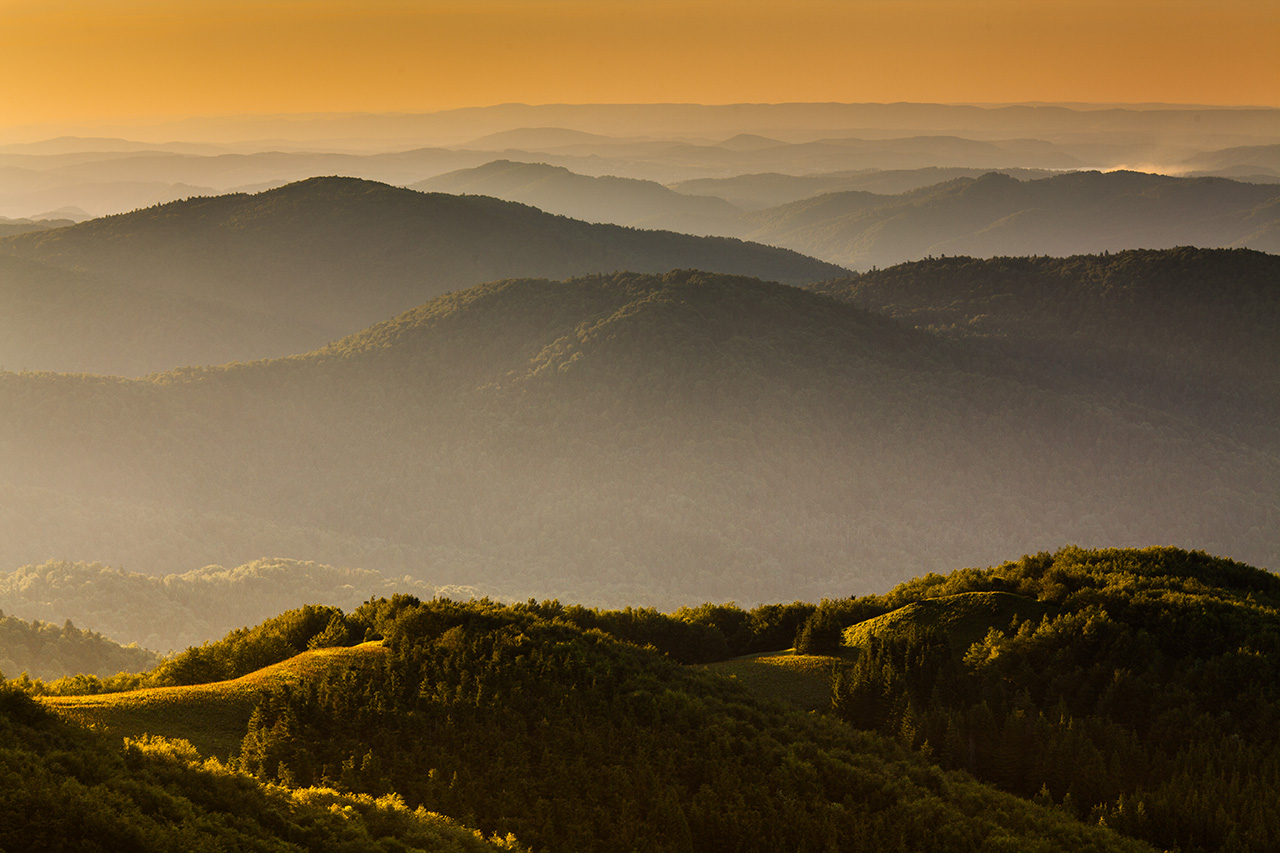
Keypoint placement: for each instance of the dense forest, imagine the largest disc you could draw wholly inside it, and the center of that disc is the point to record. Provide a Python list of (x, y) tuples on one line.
[(1185, 331), (1134, 688), (616, 439), (45, 651), (1131, 690), (517, 720), (63, 787)]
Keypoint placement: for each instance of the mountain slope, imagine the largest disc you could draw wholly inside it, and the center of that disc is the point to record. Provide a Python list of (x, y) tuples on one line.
[(69, 320), (1188, 331), (47, 651), (1142, 692), (624, 438), (1075, 213), (326, 257)]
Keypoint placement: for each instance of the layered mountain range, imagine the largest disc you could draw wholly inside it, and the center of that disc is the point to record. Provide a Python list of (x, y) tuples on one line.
[(239, 277), (624, 438)]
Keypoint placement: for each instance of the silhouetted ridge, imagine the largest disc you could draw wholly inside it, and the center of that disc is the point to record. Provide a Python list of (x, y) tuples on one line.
[(324, 257), (996, 215), (685, 319)]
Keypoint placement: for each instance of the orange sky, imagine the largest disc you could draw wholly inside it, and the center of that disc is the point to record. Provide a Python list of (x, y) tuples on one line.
[(67, 61)]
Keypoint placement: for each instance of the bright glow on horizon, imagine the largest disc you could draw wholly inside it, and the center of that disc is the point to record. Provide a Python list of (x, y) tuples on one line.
[(69, 61)]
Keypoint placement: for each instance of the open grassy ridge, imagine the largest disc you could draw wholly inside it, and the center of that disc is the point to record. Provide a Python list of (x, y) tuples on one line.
[(964, 618), (803, 681), (212, 717)]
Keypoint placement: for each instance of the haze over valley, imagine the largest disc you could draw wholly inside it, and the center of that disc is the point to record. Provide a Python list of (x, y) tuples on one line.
[(590, 426)]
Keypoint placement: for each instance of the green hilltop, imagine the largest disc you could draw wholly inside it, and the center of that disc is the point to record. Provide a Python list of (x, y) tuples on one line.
[(1134, 688), (536, 720), (1079, 700)]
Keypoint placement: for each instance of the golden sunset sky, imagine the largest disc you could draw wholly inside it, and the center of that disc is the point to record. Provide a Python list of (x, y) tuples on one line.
[(66, 61)]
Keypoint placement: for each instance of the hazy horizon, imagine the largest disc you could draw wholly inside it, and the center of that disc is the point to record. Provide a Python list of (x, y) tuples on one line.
[(84, 63), (362, 131)]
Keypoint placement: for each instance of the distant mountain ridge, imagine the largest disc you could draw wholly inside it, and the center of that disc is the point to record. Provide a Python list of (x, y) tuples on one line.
[(771, 189), (293, 268), (623, 201), (1074, 213)]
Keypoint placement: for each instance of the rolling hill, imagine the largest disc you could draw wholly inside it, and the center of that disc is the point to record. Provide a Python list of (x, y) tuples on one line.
[(212, 717), (771, 189), (1144, 684), (1074, 213), (1133, 688), (625, 438), (1120, 698), (69, 788), (572, 740), (1191, 332), (290, 269)]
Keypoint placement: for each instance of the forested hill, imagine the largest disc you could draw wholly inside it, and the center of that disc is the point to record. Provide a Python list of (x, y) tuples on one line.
[(1073, 213), (628, 438), (327, 256), (69, 788), (523, 722), (1194, 332), (49, 651), (1137, 688)]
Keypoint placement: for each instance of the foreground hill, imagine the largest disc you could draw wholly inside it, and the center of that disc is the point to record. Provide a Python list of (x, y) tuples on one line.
[(1075, 213), (1148, 687), (575, 741), (67, 788), (624, 438), (259, 275), (1134, 688), (1192, 332)]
